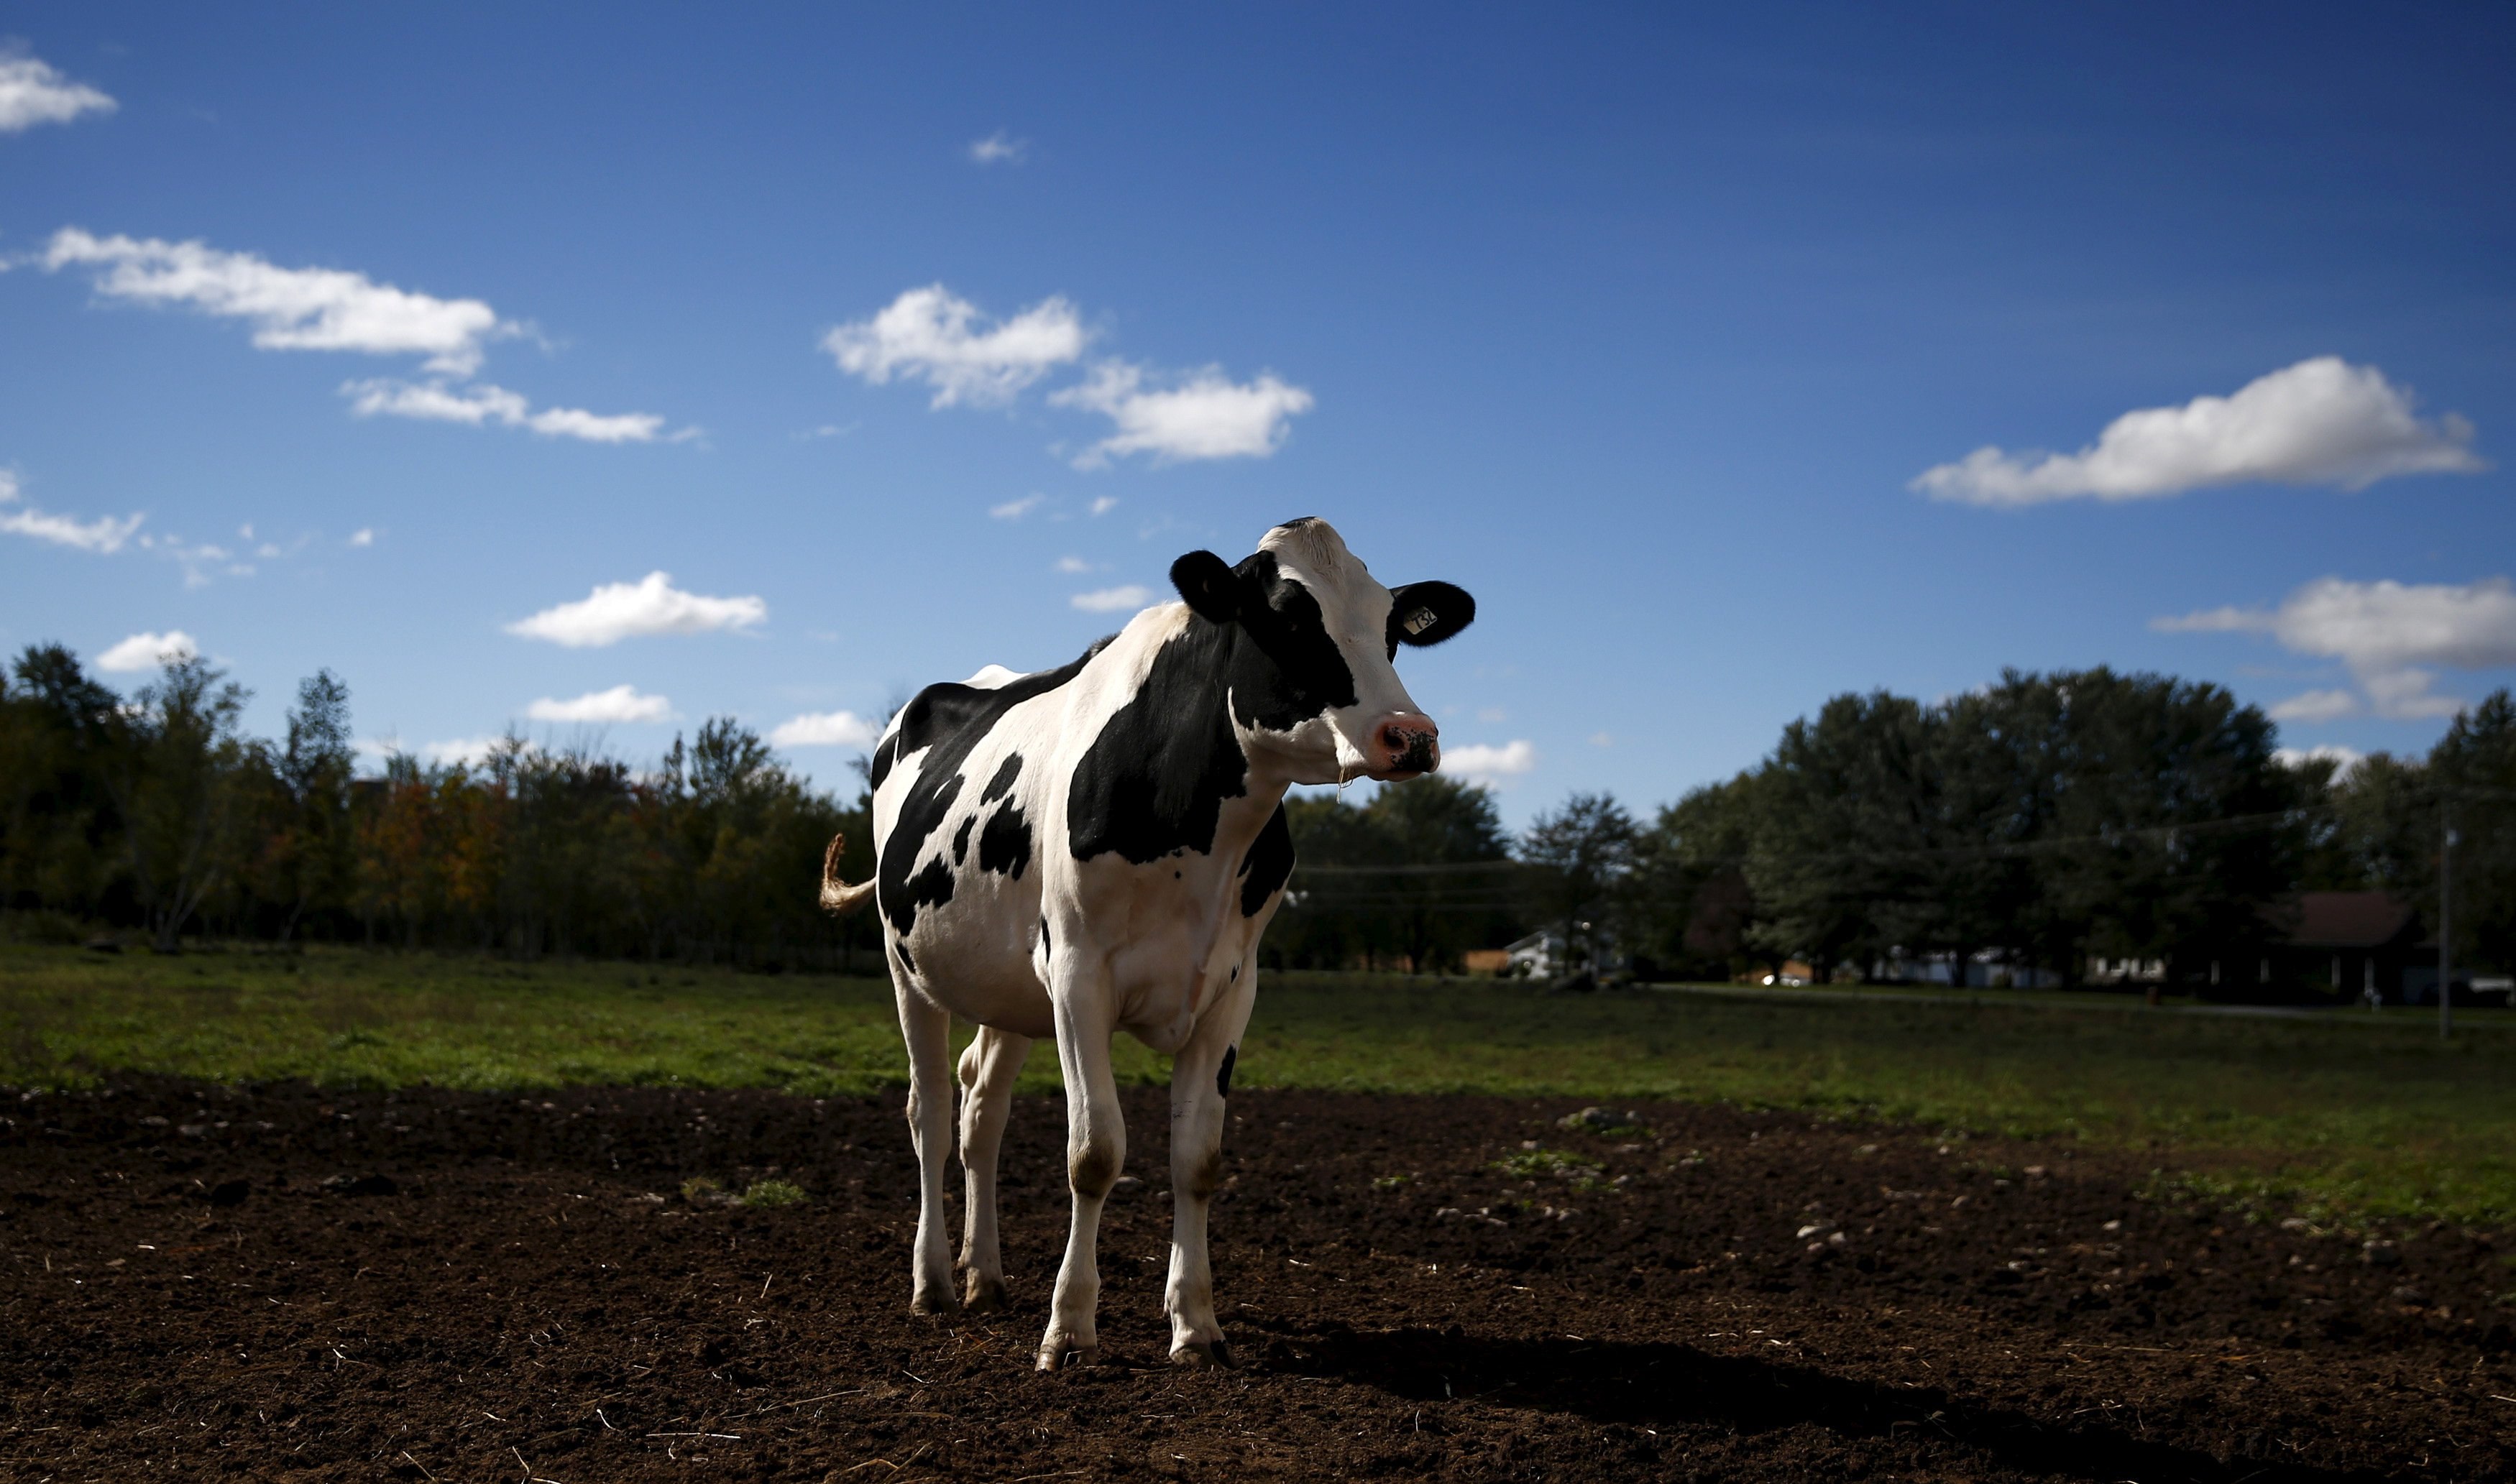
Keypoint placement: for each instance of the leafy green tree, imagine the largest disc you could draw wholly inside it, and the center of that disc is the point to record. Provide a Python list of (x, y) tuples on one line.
[(2176, 825), (60, 835), (1580, 860), (175, 767), (1839, 865), (1692, 908), (2474, 771), (313, 842)]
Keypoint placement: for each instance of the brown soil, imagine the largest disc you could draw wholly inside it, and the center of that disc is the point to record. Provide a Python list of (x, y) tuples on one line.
[(282, 1283)]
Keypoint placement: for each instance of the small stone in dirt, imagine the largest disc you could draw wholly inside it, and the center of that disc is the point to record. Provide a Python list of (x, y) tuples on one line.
[(230, 1192), (1602, 1121), (2409, 1294), (363, 1185), (2294, 1223), (1126, 1185)]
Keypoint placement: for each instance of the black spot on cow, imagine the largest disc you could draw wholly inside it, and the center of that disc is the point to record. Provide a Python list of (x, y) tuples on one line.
[(961, 839), (930, 888), (1223, 1074), (1268, 864), (1046, 943), (1004, 846), (1003, 782), (1297, 522), (885, 753), (945, 723), (1154, 781)]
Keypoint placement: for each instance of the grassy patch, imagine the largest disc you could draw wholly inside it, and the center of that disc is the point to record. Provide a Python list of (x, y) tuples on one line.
[(2347, 1117)]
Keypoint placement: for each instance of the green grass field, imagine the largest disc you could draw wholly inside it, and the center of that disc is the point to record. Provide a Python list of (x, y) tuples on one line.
[(2349, 1117)]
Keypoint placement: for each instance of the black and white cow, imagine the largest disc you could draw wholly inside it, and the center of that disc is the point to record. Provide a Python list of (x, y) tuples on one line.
[(1097, 848)]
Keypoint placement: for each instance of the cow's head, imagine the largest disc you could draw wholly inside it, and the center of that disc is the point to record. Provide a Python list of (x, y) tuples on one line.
[(1314, 685)]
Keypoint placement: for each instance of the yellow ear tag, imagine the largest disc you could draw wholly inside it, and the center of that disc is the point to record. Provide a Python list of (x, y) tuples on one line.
[(1421, 619)]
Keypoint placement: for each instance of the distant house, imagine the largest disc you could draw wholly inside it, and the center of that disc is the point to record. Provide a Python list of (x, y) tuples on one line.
[(2351, 945)]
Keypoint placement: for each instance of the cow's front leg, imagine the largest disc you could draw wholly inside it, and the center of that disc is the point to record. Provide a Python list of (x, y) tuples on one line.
[(1096, 1149), (928, 1030), (988, 1071), (1201, 1084)]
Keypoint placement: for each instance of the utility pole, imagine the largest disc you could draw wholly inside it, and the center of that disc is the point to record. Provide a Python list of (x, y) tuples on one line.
[(2446, 921)]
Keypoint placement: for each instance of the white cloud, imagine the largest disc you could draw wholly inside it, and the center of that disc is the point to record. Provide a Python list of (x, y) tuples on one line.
[(199, 559), (1000, 149), (470, 752), (621, 703), (365, 535), (1603, 739), (2320, 421), (1208, 416), (147, 651), (2344, 759), (1105, 503), (2315, 705), (313, 309), (1113, 599), (927, 335), (1014, 510), (2389, 634), (825, 729), (480, 404), (620, 611), (31, 93), (291, 309), (1481, 760), (103, 535), (1073, 564)]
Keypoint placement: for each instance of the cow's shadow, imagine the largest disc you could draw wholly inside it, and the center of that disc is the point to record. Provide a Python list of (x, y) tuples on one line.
[(1676, 1386)]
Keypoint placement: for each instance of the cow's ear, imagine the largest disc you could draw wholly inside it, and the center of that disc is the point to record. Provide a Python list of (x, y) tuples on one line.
[(1210, 589), (1428, 612)]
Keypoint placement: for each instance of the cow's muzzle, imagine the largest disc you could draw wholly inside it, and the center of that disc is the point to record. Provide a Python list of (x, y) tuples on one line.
[(1404, 744)]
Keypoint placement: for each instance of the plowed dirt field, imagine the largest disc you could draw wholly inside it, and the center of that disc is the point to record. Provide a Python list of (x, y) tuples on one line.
[(291, 1283)]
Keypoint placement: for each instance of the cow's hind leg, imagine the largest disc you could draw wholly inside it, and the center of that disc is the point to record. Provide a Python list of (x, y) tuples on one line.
[(988, 1071), (928, 1030), (1201, 1083), (1096, 1149)]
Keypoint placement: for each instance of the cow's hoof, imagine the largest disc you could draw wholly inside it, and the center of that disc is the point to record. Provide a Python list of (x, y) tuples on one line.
[(1066, 1357), (935, 1301), (984, 1296), (1197, 1354)]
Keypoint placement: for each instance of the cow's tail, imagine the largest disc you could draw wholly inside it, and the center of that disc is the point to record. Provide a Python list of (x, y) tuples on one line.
[(838, 898)]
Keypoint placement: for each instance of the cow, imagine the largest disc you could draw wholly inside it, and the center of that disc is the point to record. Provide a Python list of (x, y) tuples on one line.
[(1098, 847)]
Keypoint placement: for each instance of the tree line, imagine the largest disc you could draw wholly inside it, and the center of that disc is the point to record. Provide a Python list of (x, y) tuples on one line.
[(2042, 823), (154, 812)]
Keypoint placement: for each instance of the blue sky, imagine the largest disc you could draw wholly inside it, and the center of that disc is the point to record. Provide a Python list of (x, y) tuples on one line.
[(1648, 325)]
